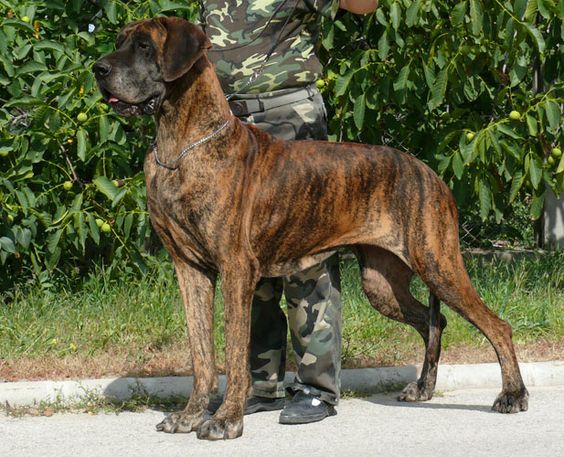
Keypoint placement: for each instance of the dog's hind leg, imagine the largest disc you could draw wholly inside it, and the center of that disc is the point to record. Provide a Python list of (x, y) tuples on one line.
[(449, 281), (386, 279)]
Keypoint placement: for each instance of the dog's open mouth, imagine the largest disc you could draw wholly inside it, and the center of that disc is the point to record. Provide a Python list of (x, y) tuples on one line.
[(130, 109)]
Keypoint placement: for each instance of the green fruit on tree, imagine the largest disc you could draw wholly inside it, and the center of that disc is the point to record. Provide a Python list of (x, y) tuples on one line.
[(25, 19), (3, 153), (470, 136), (556, 153), (515, 115), (550, 160), (99, 222), (10, 218), (320, 83), (82, 117), (67, 185), (106, 228)]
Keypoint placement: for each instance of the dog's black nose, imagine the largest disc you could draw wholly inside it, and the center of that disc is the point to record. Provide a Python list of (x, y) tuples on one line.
[(101, 68)]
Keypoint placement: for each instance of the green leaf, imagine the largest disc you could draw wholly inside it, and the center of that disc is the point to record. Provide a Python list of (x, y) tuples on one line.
[(519, 8), (383, 46), (401, 82), (94, 231), (457, 165), (411, 15), (359, 110), (19, 24), (544, 6), (395, 15), (476, 16), (30, 67), (104, 128), (53, 240), (77, 203), (531, 10), (80, 227), (24, 101), (552, 111), (439, 89), (535, 170), (536, 35), (485, 196), (429, 75), (81, 143), (507, 131), (111, 11), (49, 44), (106, 186), (516, 184), (328, 38), (537, 205), (532, 125), (119, 197), (560, 168), (7, 245), (128, 222), (458, 13), (342, 83)]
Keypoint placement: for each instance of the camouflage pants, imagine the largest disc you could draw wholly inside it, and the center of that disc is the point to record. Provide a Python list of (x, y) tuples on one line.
[(312, 295)]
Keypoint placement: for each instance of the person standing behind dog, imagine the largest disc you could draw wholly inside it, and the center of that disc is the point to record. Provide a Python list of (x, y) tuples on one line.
[(264, 53)]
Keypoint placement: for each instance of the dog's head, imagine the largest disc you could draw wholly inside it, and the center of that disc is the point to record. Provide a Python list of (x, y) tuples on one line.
[(149, 55)]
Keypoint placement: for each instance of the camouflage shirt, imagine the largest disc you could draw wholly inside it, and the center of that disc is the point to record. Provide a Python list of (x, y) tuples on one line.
[(244, 32)]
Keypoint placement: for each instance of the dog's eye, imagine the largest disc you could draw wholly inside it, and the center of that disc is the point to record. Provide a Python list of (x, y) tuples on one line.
[(143, 45)]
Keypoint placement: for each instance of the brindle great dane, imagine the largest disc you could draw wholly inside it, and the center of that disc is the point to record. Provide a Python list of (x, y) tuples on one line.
[(229, 199)]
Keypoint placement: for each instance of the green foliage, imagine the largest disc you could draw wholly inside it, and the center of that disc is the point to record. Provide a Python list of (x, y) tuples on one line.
[(429, 77), (440, 80), (68, 165)]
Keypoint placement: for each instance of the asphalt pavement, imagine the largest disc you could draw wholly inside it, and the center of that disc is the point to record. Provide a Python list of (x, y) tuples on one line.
[(455, 423)]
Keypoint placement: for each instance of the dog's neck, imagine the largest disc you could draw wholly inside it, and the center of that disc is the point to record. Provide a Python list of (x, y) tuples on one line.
[(193, 108)]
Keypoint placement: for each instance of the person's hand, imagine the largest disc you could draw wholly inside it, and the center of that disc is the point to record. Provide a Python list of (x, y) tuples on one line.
[(359, 6)]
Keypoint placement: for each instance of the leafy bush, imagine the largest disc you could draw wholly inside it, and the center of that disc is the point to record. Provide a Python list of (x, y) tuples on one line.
[(441, 79), (71, 186), (424, 76)]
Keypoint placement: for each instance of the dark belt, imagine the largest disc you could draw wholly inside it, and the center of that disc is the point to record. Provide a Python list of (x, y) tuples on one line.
[(262, 102)]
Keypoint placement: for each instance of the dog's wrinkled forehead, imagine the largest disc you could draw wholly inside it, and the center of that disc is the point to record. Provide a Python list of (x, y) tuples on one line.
[(147, 29)]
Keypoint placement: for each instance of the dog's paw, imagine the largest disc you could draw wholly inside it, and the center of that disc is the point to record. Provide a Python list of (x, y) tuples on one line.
[(182, 422), (512, 402), (414, 392), (221, 429)]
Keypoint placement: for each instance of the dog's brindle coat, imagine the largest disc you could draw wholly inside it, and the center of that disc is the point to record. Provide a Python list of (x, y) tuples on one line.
[(246, 205)]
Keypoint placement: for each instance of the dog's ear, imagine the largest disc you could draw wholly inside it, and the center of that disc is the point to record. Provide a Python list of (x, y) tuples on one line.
[(185, 43)]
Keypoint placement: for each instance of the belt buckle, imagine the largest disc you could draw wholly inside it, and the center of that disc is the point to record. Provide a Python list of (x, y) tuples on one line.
[(238, 108)]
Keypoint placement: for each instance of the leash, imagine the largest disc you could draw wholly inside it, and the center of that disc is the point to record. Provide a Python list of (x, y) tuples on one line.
[(174, 164)]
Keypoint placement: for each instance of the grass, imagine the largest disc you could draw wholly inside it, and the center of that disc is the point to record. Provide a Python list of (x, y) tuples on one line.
[(94, 402), (113, 324)]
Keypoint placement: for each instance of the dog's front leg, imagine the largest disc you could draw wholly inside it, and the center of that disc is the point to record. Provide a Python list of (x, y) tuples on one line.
[(238, 285), (197, 289)]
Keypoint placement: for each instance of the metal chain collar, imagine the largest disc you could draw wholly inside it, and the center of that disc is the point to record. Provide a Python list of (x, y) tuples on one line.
[(174, 164)]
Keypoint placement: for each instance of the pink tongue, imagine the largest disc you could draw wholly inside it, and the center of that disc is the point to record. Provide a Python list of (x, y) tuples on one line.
[(113, 99)]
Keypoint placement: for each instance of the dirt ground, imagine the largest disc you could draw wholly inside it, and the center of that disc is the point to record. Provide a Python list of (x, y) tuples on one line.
[(175, 362)]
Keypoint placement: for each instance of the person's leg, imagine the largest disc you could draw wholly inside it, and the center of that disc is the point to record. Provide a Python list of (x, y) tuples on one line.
[(268, 350), (313, 296), (319, 301), (268, 340), (314, 313)]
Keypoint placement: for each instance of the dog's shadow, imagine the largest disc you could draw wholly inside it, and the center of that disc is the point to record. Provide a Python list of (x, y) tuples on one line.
[(390, 399)]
